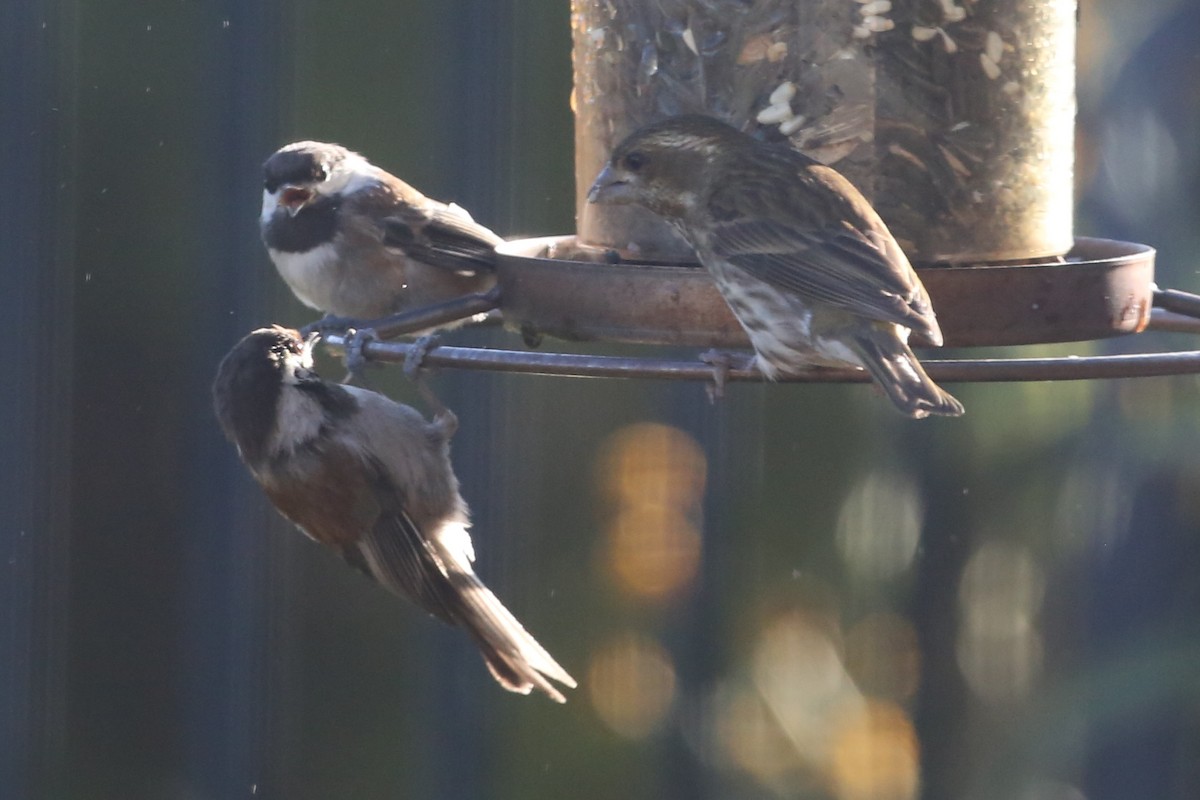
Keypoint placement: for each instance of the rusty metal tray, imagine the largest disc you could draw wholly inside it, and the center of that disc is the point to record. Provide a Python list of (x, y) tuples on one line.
[(1103, 288)]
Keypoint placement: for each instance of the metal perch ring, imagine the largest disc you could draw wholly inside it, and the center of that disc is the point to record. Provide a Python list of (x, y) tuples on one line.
[(1104, 288)]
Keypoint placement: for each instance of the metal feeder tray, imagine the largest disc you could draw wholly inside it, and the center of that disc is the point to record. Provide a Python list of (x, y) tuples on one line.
[(551, 286)]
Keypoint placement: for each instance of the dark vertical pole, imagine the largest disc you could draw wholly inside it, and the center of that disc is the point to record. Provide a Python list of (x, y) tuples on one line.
[(235, 647), (694, 640), (36, 48), (479, 150), (939, 716), (1144, 588)]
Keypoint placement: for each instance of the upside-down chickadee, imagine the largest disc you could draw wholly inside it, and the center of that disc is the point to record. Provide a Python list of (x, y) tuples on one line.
[(355, 241), (806, 265), (371, 479)]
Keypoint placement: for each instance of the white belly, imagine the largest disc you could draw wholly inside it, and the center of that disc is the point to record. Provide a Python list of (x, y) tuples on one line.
[(310, 275), (780, 328)]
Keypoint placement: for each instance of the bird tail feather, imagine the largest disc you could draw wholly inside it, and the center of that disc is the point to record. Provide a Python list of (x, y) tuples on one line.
[(436, 573), (899, 373), (512, 655)]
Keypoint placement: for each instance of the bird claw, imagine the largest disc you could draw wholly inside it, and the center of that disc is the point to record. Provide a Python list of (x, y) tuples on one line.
[(413, 367), (330, 324), (442, 416), (415, 359), (722, 364), (354, 340)]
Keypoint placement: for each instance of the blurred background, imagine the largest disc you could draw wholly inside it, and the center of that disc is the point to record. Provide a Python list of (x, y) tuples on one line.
[(793, 593)]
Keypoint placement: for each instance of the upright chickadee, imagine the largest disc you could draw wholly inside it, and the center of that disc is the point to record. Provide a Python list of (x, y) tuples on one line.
[(806, 265), (371, 479), (354, 241)]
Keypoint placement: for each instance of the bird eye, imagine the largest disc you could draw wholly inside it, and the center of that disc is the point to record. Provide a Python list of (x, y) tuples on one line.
[(319, 174), (635, 161)]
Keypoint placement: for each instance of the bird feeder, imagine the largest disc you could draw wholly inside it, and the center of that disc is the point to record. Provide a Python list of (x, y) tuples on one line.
[(955, 121), (954, 117)]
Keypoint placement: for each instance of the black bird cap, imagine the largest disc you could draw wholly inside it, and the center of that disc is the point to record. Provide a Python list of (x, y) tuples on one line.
[(248, 383), (250, 380), (300, 163), (265, 347), (272, 344)]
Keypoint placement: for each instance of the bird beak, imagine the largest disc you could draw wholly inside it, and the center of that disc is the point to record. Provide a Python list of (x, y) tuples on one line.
[(310, 342), (306, 350), (295, 198), (610, 187)]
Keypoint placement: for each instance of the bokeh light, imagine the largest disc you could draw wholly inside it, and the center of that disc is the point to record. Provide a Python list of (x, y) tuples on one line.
[(1051, 790), (883, 656), (999, 645), (803, 723), (798, 671), (751, 740), (653, 479), (1093, 509), (879, 525), (631, 683), (875, 754)]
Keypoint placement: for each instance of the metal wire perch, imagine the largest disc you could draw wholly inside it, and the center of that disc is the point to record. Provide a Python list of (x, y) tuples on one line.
[(1174, 311)]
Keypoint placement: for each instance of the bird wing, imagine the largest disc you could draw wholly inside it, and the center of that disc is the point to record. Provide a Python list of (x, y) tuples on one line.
[(443, 236), (350, 504), (395, 553), (819, 238), (433, 568), (380, 490)]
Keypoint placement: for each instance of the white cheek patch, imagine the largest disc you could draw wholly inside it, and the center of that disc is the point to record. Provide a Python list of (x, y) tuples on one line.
[(299, 419), (354, 173), (269, 204)]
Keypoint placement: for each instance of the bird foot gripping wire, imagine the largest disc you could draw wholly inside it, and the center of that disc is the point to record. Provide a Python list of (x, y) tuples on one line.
[(413, 370), (722, 364), (356, 360), (331, 323)]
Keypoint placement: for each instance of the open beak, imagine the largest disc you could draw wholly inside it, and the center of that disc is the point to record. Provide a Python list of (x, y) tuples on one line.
[(310, 341), (610, 187), (295, 198)]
